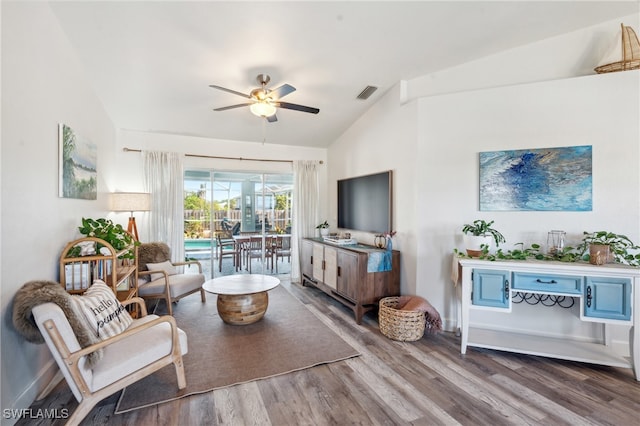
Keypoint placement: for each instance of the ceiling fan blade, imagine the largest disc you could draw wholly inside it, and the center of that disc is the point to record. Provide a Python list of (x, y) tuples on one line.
[(281, 92), (232, 106), (272, 118), (230, 91), (297, 107)]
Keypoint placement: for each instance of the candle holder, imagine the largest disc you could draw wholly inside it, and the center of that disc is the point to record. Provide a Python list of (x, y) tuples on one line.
[(555, 242)]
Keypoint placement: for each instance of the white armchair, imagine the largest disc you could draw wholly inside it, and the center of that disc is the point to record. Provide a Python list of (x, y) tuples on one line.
[(159, 278), (148, 344)]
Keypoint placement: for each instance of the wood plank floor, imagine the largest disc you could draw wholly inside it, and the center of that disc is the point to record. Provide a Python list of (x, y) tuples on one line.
[(393, 383)]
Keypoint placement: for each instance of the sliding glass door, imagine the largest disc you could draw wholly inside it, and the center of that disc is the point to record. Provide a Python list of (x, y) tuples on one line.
[(237, 222)]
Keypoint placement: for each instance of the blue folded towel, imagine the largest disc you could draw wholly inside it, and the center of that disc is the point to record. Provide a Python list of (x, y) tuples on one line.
[(379, 261)]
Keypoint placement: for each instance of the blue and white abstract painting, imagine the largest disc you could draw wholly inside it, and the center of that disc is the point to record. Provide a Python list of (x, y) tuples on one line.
[(548, 179)]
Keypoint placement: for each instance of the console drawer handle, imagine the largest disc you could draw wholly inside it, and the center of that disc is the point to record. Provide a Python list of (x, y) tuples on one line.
[(546, 282)]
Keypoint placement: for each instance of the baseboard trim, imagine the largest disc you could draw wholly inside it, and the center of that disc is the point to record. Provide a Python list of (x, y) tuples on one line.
[(46, 374)]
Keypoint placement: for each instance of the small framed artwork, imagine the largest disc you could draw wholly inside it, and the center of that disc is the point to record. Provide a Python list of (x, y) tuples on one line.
[(77, 158), (547, 179)]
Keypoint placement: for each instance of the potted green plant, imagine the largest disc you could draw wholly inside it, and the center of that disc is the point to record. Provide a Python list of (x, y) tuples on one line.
[(112, 233), (324, 228), (602, 247), (480, 235)]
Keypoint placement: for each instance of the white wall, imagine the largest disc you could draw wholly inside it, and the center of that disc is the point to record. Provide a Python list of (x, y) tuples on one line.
[(458, 119), (384, 139), (42, 85), (598, 110), (433, 141)]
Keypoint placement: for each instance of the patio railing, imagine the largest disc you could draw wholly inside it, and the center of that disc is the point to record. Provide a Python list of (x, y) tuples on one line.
[(198, 222)]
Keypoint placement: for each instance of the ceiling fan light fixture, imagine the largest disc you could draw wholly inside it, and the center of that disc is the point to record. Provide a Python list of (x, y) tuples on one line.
[(262, 109), (264, 102)]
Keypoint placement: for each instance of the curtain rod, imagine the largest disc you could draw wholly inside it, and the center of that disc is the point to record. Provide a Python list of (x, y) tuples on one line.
[(125, 149)]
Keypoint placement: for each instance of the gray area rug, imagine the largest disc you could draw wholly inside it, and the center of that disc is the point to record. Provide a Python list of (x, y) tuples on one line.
[(288, 338)]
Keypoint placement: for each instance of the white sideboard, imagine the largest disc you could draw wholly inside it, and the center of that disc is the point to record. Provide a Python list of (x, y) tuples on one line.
[(607, 294)]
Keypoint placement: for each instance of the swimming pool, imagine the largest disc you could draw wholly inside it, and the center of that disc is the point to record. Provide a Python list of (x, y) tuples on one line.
[(197, 244), (198, 248)]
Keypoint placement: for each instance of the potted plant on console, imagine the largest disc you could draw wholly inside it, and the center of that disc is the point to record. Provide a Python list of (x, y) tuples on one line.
[(480, 236), (324, 228), (602, 247)]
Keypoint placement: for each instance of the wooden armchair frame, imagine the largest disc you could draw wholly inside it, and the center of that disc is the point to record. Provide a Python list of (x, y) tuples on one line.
[(71, 360), (166, 294)]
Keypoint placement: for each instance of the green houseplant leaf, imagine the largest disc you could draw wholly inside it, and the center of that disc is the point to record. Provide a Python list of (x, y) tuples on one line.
[(483, 228), (323, 225), (622, 248), (112, 233), (619, 246)]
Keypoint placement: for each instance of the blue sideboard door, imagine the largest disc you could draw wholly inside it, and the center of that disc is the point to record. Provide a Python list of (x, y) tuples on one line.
[(608, 298), (491, 288)]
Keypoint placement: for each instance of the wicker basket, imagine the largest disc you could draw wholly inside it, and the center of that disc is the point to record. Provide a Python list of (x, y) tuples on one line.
[(405, 326)]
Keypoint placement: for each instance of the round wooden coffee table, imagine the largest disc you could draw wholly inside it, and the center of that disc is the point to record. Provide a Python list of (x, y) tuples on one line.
[(242, 299)]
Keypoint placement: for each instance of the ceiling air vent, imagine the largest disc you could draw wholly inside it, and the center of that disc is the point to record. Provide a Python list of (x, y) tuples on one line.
[(368, 91)]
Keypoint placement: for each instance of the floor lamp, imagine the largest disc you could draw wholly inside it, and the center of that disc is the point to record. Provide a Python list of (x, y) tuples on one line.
[(131, 202)]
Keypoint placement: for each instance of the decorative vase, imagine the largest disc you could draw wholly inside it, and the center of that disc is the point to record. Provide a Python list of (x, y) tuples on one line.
[(380, 241)]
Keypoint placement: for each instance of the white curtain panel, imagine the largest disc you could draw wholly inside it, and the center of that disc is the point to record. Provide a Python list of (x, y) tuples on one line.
[(306, 193), (163, 178)]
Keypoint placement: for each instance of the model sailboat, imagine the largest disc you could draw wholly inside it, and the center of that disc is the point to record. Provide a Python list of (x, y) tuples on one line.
[(630, 54)]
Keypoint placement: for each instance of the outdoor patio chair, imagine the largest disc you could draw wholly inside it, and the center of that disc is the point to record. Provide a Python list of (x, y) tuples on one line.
[(255, 249), (282, 249), (227, 247), (159, 277)]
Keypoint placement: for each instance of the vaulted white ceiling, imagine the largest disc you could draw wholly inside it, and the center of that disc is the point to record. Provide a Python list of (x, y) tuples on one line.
[(151, 63)]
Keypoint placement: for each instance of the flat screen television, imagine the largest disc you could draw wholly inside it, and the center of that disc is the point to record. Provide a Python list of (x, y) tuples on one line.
[(365, 203)]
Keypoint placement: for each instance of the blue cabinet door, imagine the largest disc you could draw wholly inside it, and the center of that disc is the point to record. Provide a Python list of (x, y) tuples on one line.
[(608, 298), (490, 288)]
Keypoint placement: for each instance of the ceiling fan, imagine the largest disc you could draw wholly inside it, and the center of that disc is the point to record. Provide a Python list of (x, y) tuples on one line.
[(263, 102)]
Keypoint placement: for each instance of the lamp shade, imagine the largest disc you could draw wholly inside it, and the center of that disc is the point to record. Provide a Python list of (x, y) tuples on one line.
[(130, 201)]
